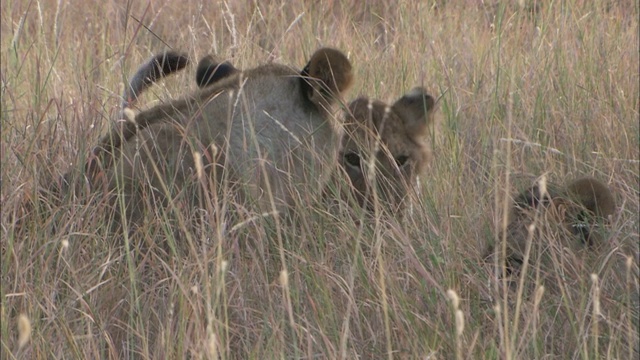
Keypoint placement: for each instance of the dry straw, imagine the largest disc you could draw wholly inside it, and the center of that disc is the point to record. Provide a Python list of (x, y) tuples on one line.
[(459, 320), (24, 330)]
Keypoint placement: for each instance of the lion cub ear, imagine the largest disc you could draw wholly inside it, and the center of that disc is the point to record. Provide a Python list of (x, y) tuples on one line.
[(362, 109), (333, 70), (416, 110), (156, 68), (210, 71)]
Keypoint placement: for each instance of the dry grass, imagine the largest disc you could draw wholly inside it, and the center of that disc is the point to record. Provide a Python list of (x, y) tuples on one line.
[(540, 89)]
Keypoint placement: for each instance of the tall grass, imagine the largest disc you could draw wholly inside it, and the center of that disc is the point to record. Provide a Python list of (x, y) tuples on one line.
[(528, 88)]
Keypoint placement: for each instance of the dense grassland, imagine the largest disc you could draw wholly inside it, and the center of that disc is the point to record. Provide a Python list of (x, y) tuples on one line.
[(526, 89)]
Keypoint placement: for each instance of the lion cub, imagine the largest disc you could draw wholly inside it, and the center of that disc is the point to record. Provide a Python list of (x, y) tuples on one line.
[(386, 147), (569, 217), (269, 133)]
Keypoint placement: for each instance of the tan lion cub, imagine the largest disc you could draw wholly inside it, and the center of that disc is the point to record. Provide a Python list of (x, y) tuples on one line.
[(570, 216), (269, 132)]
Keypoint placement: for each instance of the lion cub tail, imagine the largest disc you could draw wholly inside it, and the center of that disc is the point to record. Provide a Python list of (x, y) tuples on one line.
[(156, 68)]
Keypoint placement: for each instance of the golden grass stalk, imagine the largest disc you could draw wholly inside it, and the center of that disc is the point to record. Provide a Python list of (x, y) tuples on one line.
[(24, 330)]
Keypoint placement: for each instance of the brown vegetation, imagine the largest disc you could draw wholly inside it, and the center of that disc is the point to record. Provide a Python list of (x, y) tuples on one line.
[(525, 91)]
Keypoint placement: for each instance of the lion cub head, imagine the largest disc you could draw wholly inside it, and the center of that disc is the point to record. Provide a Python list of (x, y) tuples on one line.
[(565, 217), (385, 147)]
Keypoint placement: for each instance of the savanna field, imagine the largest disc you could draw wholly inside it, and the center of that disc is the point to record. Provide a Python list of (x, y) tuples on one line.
[(526, 90)]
